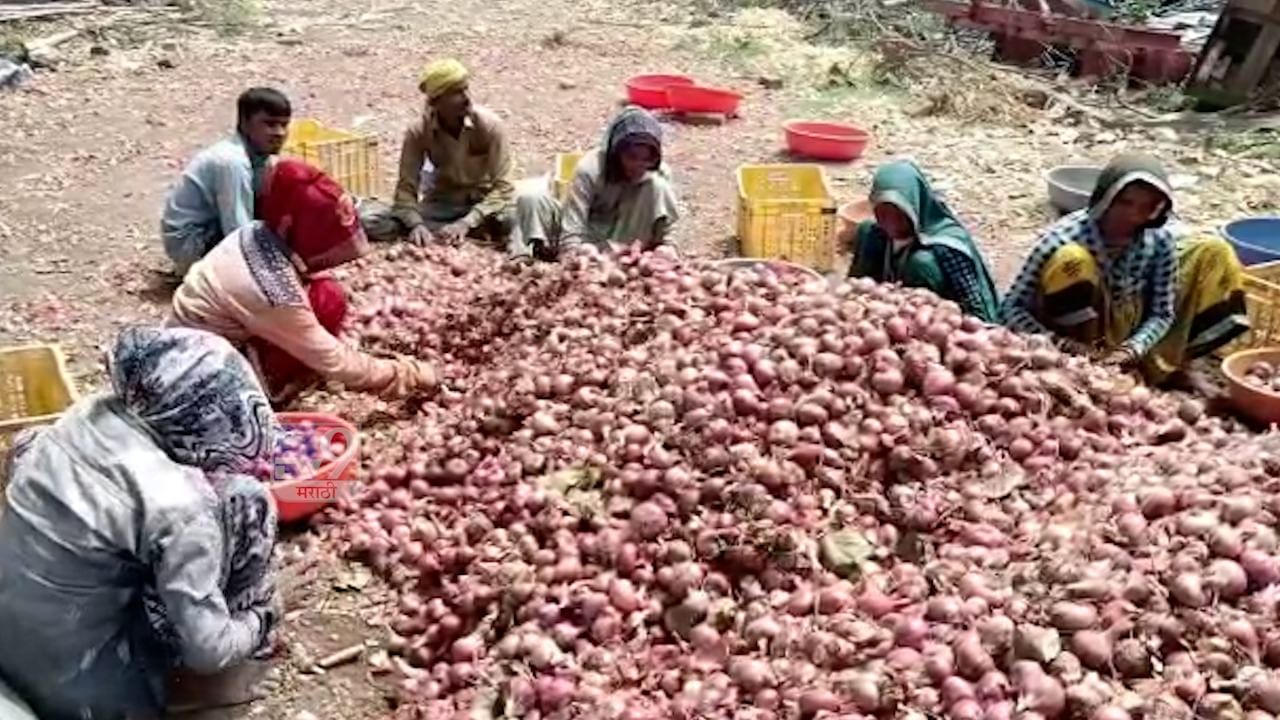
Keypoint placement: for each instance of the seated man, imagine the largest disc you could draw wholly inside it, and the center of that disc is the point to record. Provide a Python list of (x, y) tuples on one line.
[(620, 194), (455, 167), (216, 193), (1111, 279), (916, 240)]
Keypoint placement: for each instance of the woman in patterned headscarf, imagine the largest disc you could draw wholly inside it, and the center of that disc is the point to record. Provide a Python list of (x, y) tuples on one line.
[(133, 542), (1112, 280), (620, 195), (264, 288)]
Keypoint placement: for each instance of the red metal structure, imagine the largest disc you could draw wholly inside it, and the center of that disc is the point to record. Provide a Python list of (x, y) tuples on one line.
[(1104, 49)]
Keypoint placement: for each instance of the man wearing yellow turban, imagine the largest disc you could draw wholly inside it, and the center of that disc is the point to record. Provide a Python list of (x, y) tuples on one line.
[(455, 165), (441, 77)]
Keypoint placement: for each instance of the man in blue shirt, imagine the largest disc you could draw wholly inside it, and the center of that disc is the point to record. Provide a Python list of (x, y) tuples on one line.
[(216, 193)]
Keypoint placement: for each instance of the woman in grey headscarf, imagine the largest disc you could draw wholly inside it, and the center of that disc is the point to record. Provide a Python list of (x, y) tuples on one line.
[(620, 195), (134, 543), (1112, 280)]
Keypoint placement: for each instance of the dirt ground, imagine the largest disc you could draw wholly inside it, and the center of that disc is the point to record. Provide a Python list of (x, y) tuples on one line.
[(87, 152)]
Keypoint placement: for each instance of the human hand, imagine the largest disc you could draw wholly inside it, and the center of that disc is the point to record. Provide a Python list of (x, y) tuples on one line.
[(1074, 347), (268, 610), (579, 249), (420, 235), (453, 232), (424, 377), (1120, 357), (516, 263)]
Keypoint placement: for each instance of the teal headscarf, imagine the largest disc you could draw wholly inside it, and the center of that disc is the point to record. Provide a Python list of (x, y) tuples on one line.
[(903, 185)]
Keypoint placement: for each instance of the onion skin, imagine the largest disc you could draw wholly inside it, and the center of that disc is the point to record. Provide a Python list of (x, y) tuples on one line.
[(1264, 692), (1109, 712)]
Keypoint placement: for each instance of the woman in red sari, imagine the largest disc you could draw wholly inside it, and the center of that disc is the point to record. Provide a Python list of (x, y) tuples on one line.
[(264, 288)]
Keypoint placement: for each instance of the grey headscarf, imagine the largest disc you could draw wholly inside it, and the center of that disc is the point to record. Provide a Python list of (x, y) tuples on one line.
[(634, 125), (1124, 170), (197, 396)]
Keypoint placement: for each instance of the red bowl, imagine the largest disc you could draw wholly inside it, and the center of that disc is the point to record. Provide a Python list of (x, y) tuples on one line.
[(702, 99), (650, 91), (825, 140), (298, 499)]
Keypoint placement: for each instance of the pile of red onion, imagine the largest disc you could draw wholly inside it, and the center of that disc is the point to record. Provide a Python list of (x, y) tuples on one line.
[(300, 450), (650, 489)]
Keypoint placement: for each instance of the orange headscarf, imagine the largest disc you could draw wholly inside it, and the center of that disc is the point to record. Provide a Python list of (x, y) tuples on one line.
[(312, 214)]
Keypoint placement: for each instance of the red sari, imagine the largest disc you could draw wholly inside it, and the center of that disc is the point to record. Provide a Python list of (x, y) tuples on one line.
[(317, 222)]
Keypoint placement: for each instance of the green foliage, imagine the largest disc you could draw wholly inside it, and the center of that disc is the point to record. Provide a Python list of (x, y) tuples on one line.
[(1253, 143)]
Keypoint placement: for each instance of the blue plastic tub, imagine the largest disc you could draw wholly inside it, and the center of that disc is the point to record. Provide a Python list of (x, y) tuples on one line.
[(1256, 239)]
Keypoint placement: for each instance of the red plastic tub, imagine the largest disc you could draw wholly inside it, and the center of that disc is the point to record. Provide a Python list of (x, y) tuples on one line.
[(298, 499), (702, 99), (650, 91), (825, 140)]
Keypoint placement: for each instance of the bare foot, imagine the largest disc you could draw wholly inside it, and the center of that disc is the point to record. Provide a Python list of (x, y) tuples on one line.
[(249, 681)]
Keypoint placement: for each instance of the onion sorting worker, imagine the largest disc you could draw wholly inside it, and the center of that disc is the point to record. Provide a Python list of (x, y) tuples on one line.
[(1112, 281), (216, 194), (134, 544), (455, 168), (621, 194), (917, 241), (265, 288)]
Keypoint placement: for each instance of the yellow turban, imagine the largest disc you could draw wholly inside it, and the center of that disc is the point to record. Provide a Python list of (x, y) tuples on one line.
[(441, 76)]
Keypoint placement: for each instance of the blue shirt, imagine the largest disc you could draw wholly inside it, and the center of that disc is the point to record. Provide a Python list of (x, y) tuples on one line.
[(1148, 267), (216, 193)]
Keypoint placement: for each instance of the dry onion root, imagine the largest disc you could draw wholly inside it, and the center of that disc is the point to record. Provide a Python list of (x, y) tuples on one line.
[(656, 491)]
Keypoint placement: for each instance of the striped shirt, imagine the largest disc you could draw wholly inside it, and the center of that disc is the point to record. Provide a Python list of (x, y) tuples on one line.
[(1147, 267)]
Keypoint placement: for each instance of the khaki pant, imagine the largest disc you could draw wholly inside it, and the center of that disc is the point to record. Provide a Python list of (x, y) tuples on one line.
[(381, 224)]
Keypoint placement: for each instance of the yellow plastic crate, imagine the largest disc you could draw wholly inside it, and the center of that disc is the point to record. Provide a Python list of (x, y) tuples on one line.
[(1262, 291), (787, 212), (566, 164), (347, 157), (34, 389)]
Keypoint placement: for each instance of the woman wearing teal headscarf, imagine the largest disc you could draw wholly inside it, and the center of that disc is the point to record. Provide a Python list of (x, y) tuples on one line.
[(916, 240), (621, 195)]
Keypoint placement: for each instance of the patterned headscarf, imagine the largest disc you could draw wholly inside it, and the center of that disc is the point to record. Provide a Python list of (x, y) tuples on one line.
[(1124, 170), (196, 394), (633, 126), (312, 214), (441, 76)]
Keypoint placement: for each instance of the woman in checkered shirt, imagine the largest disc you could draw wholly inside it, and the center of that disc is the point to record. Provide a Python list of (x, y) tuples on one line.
[(1112, 281)]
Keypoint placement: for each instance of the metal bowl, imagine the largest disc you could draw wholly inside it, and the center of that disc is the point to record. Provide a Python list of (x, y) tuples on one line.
[(1071, 185)]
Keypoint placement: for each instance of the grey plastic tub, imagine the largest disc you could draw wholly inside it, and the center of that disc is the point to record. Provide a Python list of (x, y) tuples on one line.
[(1071, 185)]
